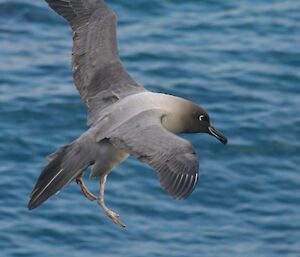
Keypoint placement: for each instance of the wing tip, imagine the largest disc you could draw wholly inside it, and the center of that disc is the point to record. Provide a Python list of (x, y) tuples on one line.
[(37, 197), (33, 203)]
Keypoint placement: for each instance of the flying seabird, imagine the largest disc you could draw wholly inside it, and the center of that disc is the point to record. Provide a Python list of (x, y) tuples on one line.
[(123, 117)]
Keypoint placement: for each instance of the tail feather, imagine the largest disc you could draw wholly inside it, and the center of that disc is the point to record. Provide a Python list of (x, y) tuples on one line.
[(64, 166)]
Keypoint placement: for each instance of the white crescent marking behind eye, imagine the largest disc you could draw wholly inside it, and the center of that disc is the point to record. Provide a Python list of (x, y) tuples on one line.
[(201, 117)]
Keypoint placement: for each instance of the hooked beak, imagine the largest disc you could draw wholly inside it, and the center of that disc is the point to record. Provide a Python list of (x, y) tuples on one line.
[(217, 134)]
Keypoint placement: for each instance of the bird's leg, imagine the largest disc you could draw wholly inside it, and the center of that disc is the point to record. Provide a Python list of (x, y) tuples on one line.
[(84, 189), (114, 216)]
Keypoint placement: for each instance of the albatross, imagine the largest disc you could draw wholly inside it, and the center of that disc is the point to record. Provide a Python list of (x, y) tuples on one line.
[(123, 117)]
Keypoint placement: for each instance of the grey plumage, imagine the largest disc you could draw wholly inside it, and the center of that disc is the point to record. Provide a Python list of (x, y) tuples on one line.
[(64, 166), (72, 160), (173, 157), (97, 70), (125, 118)]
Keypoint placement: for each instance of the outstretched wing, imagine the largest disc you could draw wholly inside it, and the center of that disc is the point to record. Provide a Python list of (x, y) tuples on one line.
[(172, 157), (97, 70)]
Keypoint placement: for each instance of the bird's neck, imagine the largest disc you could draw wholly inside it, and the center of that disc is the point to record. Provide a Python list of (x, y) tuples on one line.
[(177, 119)]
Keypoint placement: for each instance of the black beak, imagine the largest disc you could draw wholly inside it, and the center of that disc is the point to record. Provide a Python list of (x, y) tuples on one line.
[(217, 134)]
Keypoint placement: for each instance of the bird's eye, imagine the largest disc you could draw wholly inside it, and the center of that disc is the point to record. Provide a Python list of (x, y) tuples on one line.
[(201, 117)]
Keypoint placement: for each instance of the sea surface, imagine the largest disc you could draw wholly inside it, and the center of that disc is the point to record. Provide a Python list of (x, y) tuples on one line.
[(240, 60)]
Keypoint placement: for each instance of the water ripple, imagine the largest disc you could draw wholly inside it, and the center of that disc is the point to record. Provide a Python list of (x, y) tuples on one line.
[(238, 59)]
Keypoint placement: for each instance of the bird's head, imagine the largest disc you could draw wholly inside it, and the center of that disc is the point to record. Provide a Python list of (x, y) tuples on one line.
[(201, 123)]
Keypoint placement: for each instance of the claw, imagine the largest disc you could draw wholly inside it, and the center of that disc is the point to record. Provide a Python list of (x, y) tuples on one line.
[(115, 217)]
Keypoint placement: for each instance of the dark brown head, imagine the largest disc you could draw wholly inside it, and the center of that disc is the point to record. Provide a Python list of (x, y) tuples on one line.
[(199, 122)]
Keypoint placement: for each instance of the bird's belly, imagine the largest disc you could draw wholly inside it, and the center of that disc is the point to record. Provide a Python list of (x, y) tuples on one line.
[(107, 158)]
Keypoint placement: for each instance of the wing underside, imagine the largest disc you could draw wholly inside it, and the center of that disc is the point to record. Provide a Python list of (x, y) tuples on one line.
[(172, 157)]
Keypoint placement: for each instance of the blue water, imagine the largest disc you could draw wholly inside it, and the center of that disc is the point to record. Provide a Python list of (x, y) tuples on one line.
[(238, 59)]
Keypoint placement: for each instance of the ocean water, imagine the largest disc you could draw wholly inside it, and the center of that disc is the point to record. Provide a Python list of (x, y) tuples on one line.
[(238, 59)]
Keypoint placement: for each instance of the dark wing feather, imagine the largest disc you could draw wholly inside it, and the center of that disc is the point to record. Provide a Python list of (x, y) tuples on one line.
[(172, 157), (97, 70), (64, 166)]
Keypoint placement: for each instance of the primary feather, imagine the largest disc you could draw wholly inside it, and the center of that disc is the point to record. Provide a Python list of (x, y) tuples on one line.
[(97, 69)]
